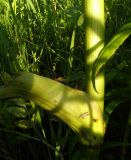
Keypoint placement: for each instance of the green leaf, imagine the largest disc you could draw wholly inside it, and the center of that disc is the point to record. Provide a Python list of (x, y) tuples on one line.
[(76, 108), (80, 20), (109, 50), (17, 111), (110, 108), (31, 6), (25, 124)]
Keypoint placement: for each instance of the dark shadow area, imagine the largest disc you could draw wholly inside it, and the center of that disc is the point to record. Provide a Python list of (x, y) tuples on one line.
[(117, 137)]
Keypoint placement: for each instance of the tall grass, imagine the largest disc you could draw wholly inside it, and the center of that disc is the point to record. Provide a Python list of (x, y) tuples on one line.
[(37, 37)]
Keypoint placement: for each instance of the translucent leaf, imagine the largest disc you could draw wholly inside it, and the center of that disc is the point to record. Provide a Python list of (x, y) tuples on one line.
[(80, 20), (109, 50)]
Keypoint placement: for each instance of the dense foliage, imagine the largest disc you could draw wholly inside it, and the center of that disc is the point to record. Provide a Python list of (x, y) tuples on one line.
[(47, 37)]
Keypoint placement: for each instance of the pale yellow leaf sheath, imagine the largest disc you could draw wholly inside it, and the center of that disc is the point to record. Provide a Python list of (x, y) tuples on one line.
[(74, 107)]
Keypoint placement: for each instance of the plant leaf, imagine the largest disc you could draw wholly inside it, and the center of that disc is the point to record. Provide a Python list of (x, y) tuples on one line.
[(80, 20), (109, 50), (110, 108), (17, 111), (73, 106)]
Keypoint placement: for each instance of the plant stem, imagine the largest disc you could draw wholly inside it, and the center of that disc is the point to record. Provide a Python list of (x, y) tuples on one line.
[(94, 42)]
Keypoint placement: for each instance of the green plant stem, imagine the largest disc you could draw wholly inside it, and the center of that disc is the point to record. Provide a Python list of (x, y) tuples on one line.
[(94, 42)]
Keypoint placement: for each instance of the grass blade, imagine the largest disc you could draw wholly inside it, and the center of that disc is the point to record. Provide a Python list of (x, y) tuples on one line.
[(109, 50)]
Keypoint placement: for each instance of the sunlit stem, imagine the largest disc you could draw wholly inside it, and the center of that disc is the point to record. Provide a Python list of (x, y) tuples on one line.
[(94, 42)]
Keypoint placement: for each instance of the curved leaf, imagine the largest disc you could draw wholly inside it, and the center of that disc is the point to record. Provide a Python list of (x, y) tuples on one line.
[(74, 107), (110, 108), (109, 50)]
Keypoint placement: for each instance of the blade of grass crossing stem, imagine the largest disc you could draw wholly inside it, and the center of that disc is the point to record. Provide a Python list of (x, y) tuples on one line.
[(109, 50)]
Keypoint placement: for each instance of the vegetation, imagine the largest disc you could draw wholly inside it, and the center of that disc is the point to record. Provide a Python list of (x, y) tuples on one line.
[(51, 38)]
